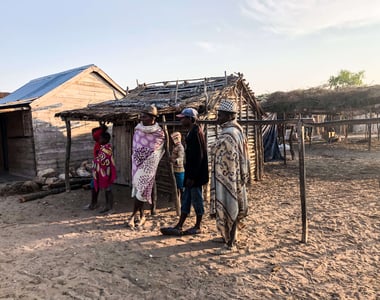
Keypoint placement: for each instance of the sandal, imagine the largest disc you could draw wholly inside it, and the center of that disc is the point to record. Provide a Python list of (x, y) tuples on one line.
[(140, 222), (105, 210), (90, 206), (171, 231), (226, 250), (131, 222), (192, 231)]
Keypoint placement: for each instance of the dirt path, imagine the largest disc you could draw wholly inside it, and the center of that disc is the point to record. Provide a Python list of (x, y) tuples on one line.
[(52, 249)]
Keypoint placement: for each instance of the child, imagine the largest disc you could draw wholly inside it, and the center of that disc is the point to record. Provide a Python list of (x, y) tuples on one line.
[(177, 159), (96, 133), (104, 171)]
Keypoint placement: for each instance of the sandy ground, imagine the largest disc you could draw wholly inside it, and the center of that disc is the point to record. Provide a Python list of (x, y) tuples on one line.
[(52, 249)]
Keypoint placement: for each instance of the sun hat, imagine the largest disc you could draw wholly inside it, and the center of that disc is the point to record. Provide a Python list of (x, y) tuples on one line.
[(176, 137), (151, 110), (188, 112), (227, 106)]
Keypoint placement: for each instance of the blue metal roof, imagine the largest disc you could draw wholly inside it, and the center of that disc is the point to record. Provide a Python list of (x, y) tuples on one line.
[(40, 86)]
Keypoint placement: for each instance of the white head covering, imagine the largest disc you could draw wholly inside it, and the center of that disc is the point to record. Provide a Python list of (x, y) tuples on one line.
[(227, 105)]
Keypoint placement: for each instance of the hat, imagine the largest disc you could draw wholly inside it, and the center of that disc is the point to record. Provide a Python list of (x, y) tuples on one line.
[(176, 137), (227, 106), (151, 110), (188, 112)]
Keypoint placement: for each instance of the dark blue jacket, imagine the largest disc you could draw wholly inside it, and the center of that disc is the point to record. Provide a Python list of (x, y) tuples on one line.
[(196, 164)]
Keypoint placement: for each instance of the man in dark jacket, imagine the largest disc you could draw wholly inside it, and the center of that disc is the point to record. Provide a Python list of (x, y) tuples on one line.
[(196, 171)]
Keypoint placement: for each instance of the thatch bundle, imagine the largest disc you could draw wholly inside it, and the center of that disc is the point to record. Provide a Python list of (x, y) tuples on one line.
[(357, 100), (167, 96)]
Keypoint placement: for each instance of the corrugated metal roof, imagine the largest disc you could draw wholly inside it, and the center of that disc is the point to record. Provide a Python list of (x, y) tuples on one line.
[(40, 86)]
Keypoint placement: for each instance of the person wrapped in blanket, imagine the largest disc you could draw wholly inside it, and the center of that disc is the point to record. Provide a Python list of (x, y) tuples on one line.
[(104, 171), (96, 133), (147, 151), (229, 175)]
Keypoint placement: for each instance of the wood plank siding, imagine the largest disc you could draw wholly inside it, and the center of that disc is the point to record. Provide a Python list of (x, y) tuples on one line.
[(21, 156), (50, 132), (122, 150)]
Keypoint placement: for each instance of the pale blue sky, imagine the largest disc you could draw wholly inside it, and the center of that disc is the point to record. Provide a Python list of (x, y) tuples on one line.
[(276, 44)]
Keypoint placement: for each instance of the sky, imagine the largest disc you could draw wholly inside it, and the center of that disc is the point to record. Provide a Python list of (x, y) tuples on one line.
[(278, 45)]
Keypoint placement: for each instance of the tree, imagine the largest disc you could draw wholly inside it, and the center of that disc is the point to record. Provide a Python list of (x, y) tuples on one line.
[(346, 78)]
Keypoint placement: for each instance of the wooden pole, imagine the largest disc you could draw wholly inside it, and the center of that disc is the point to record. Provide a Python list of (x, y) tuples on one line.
[(174, 193), (301, 149), (206, 95), (378, 127), (284, 137), (154, 199), (369, 136), (206, 190), (68, 151), (176, 92)]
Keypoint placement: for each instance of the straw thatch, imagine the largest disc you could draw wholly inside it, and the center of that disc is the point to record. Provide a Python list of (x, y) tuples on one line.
[(357, 100), (168, 97)]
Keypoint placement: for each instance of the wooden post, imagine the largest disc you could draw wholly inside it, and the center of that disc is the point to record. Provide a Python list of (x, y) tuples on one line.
[(369, 136), (176, 92), (171, 170), (291, 142), (284, 136), (378, 127), (154, 199), (68, 151), (301, 149), (206, 95)]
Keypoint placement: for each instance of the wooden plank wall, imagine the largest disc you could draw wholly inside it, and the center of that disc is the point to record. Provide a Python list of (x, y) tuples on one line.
[(250, 131), (21, 156), (20, 145), (122, 151), (50, 132)]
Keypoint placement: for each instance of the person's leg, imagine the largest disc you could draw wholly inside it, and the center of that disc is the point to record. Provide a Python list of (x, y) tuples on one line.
[(141, 220), (181, 221), (94, 199), (109, 201), (136, 208), (233, 234), (197, 201), (185, 208)]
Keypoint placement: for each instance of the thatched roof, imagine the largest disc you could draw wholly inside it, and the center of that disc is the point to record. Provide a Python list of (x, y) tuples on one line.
[(169, 97), (324, 101)]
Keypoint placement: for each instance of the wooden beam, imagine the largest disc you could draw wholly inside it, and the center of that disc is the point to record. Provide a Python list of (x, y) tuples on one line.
[(174, 194), (302, 174), (67, 159)]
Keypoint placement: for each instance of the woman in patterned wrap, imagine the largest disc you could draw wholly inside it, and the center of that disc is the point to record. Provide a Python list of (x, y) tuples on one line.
[(147, 151)]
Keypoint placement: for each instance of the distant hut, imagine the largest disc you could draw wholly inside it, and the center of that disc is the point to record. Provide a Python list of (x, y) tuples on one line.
[(32, 138), (325, 104), (170, 97)]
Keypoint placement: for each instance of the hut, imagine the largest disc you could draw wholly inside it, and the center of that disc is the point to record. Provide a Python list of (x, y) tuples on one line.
[(170, 97), (32, 138)]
